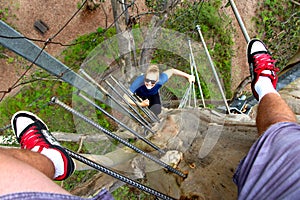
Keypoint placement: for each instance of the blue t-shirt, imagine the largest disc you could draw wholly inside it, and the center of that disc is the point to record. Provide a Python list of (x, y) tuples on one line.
[(138, 86)]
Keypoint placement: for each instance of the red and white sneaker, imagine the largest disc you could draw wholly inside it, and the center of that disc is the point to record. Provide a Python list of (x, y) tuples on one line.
[(33, 134), (261, 64)]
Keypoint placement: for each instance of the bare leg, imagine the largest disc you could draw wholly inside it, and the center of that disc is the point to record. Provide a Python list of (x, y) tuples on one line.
[(272, 109), (36, 160), (26, 171)]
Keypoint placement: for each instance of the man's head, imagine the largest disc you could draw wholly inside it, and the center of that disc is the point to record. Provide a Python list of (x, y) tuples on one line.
[(151, 76)]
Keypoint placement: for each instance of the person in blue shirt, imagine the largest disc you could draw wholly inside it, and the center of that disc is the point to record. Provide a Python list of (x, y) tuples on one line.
[(146, 86)]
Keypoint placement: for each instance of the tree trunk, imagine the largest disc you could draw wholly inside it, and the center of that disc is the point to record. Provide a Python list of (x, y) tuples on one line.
[(148, 45), (125, 38), (153, 32)]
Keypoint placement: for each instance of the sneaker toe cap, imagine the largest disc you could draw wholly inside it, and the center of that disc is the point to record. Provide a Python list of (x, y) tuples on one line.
[(257, 47), (20, 124)]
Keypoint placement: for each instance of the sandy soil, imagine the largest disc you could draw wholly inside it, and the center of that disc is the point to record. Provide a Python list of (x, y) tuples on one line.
[(23, 14), (55, 14)]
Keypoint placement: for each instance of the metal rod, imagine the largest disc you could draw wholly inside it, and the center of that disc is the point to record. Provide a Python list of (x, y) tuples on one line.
[(128, 104), (166, 166), (240, 21), (135, 101), (193, 88), (196, 72), (144, 122), (190, 96), (194, 95), (113, 99), (213, 68), (117, 175), (192, 73), (184, 98), (192, 85), (121, 123)]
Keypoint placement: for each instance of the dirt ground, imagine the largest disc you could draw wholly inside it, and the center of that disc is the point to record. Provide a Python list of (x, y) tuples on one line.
[(23, 14), (247, 11), (55, 14)]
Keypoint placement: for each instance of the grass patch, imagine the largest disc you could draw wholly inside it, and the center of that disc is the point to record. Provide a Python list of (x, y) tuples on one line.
[(278, 25)]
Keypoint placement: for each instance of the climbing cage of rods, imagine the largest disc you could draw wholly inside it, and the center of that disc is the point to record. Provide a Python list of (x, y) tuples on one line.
[(145, 120)]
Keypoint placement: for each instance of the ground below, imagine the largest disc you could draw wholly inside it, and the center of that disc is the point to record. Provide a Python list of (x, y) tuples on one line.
[(22, 14)]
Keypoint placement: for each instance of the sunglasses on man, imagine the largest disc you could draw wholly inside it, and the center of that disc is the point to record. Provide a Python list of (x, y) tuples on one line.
[(150, 81)]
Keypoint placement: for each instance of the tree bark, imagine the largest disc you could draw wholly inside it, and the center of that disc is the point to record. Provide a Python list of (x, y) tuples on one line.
[(154, 30), (125, 38)]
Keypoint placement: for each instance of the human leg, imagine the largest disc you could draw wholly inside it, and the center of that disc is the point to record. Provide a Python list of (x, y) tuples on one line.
[(40, 159), (272, 108), (29, 176), (155, 104), (271, 168), (36, 160)]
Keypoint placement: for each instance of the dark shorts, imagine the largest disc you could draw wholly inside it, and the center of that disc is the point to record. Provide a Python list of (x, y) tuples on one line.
[(103, 195), (154, 103), (271, 169)]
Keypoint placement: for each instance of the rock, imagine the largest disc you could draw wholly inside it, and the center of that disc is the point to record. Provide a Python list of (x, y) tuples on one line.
[(172, 158), (291, 94)]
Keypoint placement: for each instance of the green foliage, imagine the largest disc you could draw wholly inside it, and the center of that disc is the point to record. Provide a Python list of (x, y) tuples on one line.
[(74, 55), (155, 5), (10, 60), (37, 92), (79, 4), (77, 178), (33, 97), (131, 193), (4, 13), (278, 25), (9, 138), (2, 50), (217, 36)]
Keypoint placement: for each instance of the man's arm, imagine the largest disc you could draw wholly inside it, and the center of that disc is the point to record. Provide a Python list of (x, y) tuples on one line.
[(173, 71), (144, 103)]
